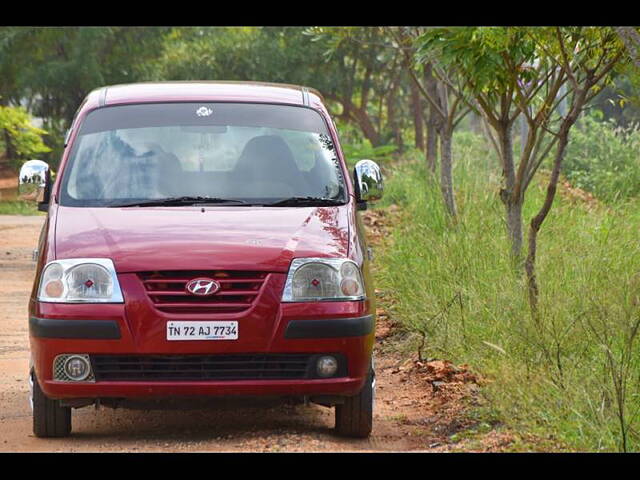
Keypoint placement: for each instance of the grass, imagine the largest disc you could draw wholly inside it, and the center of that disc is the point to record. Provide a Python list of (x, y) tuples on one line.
[(18, 207), (574, 376)]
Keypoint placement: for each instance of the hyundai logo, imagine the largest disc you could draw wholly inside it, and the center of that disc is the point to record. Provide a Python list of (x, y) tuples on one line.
[(202, 286)]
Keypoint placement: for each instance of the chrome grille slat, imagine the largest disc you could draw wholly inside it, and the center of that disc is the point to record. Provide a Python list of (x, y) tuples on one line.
[(203, 305), (166, 293), (221, 280), (238, 290)]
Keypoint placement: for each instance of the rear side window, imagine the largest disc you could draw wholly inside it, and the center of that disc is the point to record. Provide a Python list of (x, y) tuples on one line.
[(254, 152)]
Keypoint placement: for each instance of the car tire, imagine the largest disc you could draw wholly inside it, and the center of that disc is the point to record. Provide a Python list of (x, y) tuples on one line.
[(354, 418), (49, 418)]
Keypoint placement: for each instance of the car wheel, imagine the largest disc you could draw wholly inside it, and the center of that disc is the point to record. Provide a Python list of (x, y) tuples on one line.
[(354, 418), (49, 418)]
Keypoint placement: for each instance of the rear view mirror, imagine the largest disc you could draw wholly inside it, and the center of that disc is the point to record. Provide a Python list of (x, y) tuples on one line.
[(203, 129), (368, 182), (34, 183)]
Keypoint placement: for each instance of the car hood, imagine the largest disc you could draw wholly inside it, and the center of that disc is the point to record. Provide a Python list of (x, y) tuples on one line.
[(202, 238)]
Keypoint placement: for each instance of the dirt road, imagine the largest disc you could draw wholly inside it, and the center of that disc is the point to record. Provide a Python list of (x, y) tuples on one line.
[(409, 413)]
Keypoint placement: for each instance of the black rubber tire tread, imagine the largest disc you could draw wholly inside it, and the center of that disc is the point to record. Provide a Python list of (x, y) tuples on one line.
[(354, 418), (49, 418)]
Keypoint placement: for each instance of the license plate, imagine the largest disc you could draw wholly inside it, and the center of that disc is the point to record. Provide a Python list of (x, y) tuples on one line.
[(202, 330)]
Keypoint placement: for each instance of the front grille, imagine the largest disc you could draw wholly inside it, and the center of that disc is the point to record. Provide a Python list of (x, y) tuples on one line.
[(203, 367), (238, 290)]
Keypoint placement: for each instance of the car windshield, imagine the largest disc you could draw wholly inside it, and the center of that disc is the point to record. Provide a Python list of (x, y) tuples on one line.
[(253, 153)]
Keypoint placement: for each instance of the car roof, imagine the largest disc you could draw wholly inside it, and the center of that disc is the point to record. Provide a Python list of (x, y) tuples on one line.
[(204, 91)]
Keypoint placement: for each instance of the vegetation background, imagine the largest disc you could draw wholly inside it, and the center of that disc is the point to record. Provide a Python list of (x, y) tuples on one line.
[(447, 112)]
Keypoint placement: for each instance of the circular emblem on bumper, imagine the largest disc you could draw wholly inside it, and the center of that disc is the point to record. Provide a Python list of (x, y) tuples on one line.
[(202, 286)]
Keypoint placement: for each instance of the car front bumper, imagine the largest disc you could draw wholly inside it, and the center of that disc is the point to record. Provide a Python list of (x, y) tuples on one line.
[(345, 328)]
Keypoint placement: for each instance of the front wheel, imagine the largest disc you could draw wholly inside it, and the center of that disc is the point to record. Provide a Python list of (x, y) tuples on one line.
[(354, 418), (49, 418)]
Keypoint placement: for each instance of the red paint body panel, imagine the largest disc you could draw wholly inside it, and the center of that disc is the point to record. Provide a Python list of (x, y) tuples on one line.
[(188, 238), (234, 238), (202, 91)]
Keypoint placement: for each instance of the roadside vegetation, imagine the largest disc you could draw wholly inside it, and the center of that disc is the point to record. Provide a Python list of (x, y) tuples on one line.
[(18, 207), (571, 372), (603, 158)]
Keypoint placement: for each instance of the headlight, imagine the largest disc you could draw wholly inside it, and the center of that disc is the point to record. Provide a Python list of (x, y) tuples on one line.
[(317, 279), (80, 280)]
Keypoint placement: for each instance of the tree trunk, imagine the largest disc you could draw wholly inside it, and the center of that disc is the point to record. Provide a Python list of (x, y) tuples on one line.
[(514, 227), (536, 222), (359, 116), (366, 125), (433, 121), (9, 149), (392, 117), (513, 205), (446, 172), (416, 109), (432, 146)]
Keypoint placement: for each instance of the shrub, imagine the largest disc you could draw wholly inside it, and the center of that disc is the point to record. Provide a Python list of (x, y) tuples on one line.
[(604, 159), (25, 138)]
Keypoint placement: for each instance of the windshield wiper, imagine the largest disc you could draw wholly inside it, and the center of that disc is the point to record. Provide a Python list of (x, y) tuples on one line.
[(305, 202), (186, 200)]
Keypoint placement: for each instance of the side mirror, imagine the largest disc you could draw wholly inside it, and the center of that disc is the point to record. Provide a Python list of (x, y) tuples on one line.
[(368, 183), (34, 183)]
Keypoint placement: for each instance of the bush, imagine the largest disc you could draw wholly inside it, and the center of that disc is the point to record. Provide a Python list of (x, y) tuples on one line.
[(18, 207), (604, 159), (25, 138)]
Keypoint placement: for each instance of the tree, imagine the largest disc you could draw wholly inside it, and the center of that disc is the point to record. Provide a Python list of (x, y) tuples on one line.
[(12, 40), (53, 68), (587, 57), (359, 67), (447, 108), (493, 61), (517, 71), (352, 68)]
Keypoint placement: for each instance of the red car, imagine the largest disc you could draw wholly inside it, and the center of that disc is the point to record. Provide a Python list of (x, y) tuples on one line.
[(202, 240)]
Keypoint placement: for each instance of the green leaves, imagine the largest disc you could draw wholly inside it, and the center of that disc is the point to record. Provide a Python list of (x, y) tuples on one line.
[(51, 69), (466, 54), (491, 58), (26, 139), (60, 65)]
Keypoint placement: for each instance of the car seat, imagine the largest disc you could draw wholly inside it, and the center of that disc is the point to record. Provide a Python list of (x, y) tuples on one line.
[(266, 167)]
